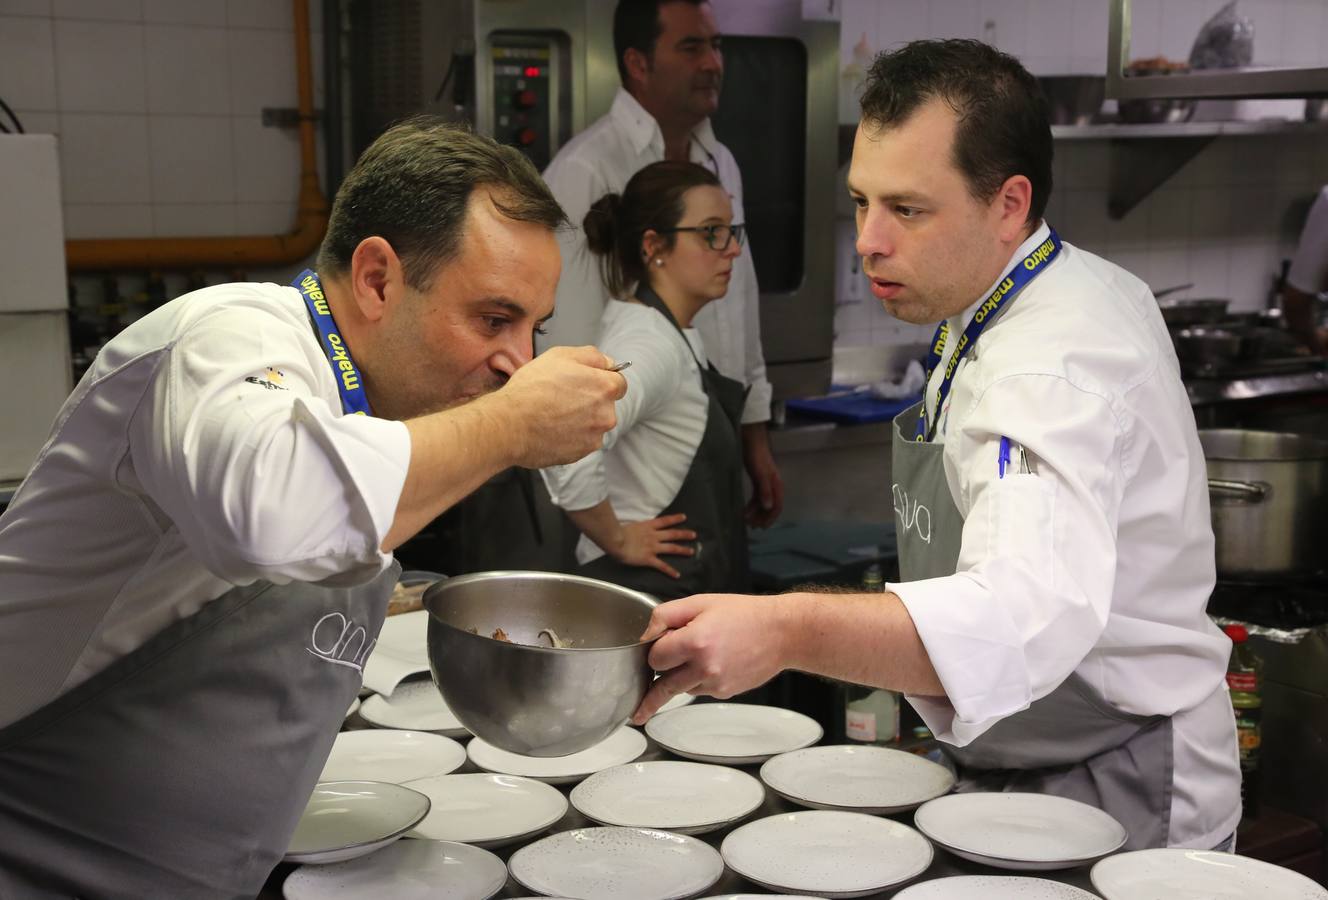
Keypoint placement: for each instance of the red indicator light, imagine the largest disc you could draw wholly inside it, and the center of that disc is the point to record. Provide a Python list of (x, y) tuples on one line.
[(532, 71)]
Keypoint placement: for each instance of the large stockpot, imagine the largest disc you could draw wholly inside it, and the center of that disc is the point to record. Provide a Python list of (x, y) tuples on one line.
[(531, 699), (1269, 495)]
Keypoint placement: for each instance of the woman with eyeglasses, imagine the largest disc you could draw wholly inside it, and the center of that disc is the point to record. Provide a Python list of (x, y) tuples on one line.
[(660, 508)]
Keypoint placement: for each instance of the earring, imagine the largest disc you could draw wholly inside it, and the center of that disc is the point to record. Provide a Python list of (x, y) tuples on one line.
[(658, 261)]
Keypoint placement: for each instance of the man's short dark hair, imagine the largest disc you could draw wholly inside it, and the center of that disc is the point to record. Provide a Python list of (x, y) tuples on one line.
[(636, 26), (1004, 127), (412, 187)]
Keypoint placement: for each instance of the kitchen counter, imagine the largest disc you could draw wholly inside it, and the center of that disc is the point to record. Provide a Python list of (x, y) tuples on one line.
[(943, 864)]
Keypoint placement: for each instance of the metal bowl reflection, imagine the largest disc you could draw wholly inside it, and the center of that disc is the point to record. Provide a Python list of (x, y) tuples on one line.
[(529, 698)]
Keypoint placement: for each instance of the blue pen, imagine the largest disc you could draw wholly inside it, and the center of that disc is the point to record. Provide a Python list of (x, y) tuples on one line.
[(1003, 457)]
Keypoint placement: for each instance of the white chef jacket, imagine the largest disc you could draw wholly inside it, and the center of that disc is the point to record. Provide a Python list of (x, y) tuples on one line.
[(205, 448), (1106, 568), (1309, 267), (600, 160), (661, 420)]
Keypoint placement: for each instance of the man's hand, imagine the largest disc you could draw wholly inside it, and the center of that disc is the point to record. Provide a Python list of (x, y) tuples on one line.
[(559, 405), (767, 487), (644, 542), (715, 644)]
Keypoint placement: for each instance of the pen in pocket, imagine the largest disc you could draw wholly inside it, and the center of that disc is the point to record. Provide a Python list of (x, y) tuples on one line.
[(1003, 457)]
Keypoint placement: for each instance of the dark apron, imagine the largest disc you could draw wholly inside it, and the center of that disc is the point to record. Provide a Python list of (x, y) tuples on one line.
[(182, 769), (1070, 743), (711, 495)]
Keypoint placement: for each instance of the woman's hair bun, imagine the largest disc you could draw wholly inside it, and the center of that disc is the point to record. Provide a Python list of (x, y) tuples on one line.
[(601, 224)]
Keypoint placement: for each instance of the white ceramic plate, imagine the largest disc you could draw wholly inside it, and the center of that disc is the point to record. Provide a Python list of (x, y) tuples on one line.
[(1020, 831), (834, 854), (1176, 874), (993, 887), (676, 701), (733, 733), (685, 797), (611, 863), (346, 819), (396, 756), (487, 810), (875, 780), (407, 870), (414, 706), (621, 747), (758, 897), (354, 705)]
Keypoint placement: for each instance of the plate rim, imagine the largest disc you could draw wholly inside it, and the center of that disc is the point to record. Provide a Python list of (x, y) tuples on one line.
[(498, 840), (378, 733), (832, 807), (1082, 895), (303, 856), (556, 779), (1068, 861), (843, 892), (717, 856), (707, 824), (468, 848), (745, 759), (452, 732), (1246, 860)]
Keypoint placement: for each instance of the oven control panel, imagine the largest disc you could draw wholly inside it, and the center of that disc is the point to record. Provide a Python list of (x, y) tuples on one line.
[(524, 104)]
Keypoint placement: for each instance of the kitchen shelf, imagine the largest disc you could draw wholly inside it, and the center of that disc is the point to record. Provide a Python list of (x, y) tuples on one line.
[(1123, 131)]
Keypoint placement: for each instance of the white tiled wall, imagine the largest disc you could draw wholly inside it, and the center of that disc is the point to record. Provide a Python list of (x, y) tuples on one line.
[(1224, 221), (157, 104)]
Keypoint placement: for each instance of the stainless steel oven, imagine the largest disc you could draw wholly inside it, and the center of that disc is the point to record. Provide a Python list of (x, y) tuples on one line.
[(534, 72)]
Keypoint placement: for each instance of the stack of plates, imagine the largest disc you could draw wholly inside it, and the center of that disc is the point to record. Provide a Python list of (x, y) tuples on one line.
[(684, 797), (1020, 831), (834, 854), (487, 810), (407, 870), (346, 819), (1198, 875), (732, 733), (413, 706), (621, 747), (394, 756), (866, 779), (611, 863)]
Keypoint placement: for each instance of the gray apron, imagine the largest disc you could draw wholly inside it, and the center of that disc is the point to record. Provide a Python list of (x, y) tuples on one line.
[(182, 769), (1070, 743), (711, 495)]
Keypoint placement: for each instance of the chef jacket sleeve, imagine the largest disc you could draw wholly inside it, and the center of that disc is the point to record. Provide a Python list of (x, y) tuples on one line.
[(655, 375), (1033, 585), (581, 293), (1309, 267), (263, 479), (756, 408)]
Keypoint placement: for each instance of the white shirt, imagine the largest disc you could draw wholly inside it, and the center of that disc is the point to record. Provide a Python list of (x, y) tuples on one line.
[(600, 160), (1309, 267), (1102, 561), (661, 420), (205, 448)]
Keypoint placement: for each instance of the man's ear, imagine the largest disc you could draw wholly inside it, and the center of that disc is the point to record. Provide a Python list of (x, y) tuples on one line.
[(375, 274), (638, 67), (1013, 202)]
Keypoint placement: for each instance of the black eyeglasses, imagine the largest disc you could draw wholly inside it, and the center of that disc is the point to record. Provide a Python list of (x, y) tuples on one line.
[(717, 237)]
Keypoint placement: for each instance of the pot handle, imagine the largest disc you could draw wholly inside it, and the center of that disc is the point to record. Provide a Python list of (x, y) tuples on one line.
[(1240, 491)]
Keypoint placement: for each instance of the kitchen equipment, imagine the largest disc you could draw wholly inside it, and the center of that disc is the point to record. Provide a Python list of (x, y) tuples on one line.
[(1074, 99), (1019, 830), (1179, 874), (1197, 311), (872, 780), (682, 797), (735, 734), (611, 863), (487, 810), (346, 819), (1205, 348), (375, 754), (407, 870), (619, 748), (834, 854), (1156, 111), (1269, 496), (1158, 295), (531, 699)]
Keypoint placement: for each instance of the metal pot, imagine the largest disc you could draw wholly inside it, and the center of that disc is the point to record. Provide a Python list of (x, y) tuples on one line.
[(1204, 348), (525, 696), (1202, 311), (1269, 494)]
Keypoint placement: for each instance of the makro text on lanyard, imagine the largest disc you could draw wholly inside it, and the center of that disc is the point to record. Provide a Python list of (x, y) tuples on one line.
[(1014, 281), (349, 384)]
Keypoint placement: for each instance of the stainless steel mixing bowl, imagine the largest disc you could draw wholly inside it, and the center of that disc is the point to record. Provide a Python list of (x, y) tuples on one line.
[(531, 699)]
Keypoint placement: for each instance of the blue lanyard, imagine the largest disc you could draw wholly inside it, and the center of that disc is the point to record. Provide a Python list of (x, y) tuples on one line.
[(349, 383), (1014, 281)]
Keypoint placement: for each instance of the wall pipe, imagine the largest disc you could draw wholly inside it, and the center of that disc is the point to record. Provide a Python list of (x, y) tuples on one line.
[(232, 252)]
